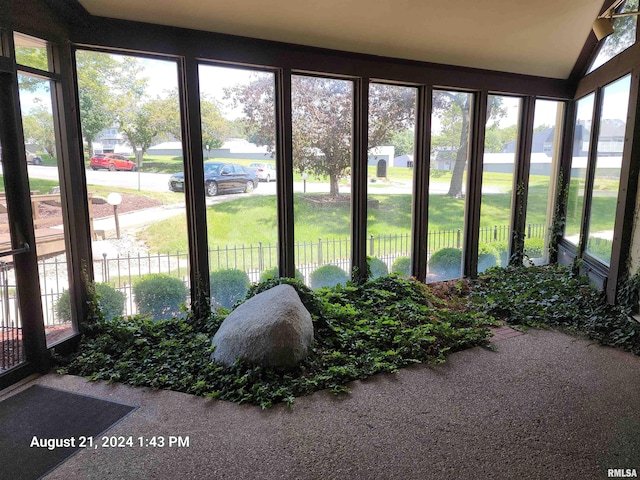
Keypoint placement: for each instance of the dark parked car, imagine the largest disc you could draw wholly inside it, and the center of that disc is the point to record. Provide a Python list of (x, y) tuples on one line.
[(112, 161), (220, 177), (33, 159)]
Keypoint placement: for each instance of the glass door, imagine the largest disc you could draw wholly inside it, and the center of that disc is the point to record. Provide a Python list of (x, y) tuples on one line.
[(22, 337)]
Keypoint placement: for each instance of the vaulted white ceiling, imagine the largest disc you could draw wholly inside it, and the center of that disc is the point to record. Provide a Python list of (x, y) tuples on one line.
[(536, 37)]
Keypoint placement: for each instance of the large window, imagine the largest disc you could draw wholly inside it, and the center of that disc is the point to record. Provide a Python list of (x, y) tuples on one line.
[(498, 170), (578, 173), (238, 135), (611, 132), (130, 118), (547, 127), (390, 178), (450, 135), (322, 150)]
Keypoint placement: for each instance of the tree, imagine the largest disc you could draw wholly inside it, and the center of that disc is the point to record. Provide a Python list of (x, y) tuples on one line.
[(96, 72), (215, 128), (138, 127), (137, 117), (454, 110), (38, 128), (403, 142), (322, 127), (322, 112)]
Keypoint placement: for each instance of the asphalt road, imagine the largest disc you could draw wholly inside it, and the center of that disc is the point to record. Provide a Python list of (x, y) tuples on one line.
[(158, 182)]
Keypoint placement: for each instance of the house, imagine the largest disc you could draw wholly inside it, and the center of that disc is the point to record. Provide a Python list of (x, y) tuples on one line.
[(111, 140)]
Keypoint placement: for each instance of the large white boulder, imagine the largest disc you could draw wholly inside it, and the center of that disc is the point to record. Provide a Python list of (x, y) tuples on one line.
[(273, 328)]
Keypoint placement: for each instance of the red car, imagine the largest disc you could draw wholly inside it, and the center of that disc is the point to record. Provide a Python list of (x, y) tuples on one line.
[(112, 161)]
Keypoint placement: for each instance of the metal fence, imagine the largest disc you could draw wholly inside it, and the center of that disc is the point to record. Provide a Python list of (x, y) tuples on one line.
[(122, 272)]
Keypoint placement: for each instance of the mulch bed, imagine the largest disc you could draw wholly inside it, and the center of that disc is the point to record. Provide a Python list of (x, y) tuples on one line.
[(11, 349)]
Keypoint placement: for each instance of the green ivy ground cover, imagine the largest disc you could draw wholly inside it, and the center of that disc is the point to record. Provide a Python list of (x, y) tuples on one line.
[(380, 326), (554, 296), (360, 330)]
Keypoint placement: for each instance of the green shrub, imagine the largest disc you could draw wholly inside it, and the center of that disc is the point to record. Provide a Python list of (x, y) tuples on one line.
[(110, 302), (63, 307), (274, 272), (488, 257), (377, 268), (534, 247), (228, 286), (159, 295), (402, 266), (327, 276), (446, 263)]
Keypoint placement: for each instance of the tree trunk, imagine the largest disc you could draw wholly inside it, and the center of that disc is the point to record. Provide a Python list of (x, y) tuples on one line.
[(455, 187), (457, 177), (333, 185)]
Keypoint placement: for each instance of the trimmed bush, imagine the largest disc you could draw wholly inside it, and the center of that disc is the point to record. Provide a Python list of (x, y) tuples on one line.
[(63, 307), (110, 302), (446, 263), (327, 276), (488, 257), (377, 268), (502, 247), (228, 286), (273, 273), (159, 295), (402, 266)]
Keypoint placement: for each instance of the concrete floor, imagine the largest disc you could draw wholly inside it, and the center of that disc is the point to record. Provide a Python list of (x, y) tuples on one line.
[(541, 406)]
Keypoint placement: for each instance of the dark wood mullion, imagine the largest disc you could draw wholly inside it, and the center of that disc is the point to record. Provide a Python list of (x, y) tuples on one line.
[(627, 194), (194, 187), (73, 184), (284, 173), (474, 185), (564, 177), (16, 182), (360, 147), (420, 204), (615, 68), (521, 181), (591, 172)]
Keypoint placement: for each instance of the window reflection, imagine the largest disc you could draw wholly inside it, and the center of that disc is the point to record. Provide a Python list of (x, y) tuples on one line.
[(578, 173), (547, 127)]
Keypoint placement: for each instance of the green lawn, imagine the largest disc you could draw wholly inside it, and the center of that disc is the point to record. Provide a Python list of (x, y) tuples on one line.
[(35, 185), (249, 220)]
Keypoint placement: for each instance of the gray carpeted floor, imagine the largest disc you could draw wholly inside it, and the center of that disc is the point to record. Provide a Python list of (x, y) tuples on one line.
[(542, 406)]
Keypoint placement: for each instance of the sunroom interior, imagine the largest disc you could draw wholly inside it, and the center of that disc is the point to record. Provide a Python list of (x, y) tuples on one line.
[(519, 128)]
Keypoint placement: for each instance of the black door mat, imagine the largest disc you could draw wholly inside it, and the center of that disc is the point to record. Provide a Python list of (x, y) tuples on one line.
[(54, 418)]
